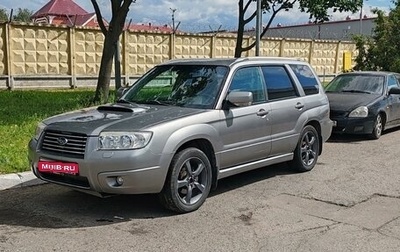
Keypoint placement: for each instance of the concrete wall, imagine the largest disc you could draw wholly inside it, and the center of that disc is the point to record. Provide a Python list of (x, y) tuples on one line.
[(34, 56)]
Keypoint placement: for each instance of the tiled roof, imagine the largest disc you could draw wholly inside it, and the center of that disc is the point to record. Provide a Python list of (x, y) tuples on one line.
[(60, 8), (81, 20)]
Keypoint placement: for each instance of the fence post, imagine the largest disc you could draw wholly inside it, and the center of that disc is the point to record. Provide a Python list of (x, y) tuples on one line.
[(282, 47), (311, 53), (212, 45), (72, 58), (172, 46), (337, 57), (125, 57), (10, 77)]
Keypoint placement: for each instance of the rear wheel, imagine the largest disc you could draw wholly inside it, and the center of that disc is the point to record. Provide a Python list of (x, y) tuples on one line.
[(378, 127), (307, 149), (188, 182)]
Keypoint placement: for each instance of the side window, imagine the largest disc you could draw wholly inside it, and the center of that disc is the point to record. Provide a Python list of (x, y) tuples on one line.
[(279, 84), (249, 80), (306, 78), (392, 81)]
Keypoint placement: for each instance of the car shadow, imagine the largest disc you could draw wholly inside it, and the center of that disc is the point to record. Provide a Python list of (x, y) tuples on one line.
[(53, 206), (347, 138), (354, 138)]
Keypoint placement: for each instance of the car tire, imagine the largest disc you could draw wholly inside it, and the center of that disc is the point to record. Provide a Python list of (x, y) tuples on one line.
[(378, 127), (307, 150), (188, 181)]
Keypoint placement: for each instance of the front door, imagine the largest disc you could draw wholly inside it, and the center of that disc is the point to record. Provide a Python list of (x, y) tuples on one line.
[(245, 130)]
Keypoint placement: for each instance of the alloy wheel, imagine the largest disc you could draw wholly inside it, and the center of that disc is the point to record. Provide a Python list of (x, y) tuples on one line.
[(309, 147)]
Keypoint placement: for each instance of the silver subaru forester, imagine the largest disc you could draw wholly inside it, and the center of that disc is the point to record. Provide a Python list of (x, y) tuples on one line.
[(186, 124)]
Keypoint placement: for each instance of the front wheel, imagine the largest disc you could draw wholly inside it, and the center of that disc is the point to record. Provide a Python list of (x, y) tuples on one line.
[(378, 127), (188, 182), (307, 149)]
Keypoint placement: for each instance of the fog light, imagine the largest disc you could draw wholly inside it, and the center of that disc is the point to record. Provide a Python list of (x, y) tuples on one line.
[(119, 181), (358, 128)]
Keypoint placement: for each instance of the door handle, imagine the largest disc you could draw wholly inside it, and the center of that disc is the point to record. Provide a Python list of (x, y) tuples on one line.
[(262, 112), (299, 105)]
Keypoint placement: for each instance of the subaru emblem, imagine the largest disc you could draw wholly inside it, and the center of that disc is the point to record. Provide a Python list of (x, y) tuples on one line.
[(62, 141)]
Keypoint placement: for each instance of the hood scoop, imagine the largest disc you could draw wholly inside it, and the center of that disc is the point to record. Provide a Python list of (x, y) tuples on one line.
[(119, 108), (115, 108)]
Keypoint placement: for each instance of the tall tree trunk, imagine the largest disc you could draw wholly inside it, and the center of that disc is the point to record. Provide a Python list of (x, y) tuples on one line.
[(103, 82), (241, 24), (240, 31), (119, 9)]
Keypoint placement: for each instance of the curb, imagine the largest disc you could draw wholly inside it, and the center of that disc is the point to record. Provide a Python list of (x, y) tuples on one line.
[(18, 180)]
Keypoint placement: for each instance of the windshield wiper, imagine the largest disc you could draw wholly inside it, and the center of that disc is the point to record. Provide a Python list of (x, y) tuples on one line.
[(156, 102), (122, 100), (356, 91)]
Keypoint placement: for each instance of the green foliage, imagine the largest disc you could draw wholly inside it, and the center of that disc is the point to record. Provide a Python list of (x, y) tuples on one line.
[(3, 15), (23, 15), (382, 50), (317, 10), (20, 111)]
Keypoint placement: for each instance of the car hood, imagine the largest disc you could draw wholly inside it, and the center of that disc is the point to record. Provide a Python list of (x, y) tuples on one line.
[(349, 101), (115, 117)]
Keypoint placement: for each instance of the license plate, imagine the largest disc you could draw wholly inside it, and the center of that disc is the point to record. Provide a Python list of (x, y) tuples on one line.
[(58, 167)]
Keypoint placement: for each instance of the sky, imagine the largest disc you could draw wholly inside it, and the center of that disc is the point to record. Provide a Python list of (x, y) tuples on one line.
[(196, 15)]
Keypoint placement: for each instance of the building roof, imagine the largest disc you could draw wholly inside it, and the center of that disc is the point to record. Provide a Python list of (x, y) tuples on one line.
[(82, 20), (150, 27), (347, 20), (67, 12), (60, 8)]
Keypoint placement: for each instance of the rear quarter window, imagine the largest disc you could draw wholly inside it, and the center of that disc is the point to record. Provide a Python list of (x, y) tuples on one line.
[(306, 78)]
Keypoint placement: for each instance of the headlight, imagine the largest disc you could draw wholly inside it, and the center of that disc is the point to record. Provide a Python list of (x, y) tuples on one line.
[(123, 140), (359, 112), (39, 129)]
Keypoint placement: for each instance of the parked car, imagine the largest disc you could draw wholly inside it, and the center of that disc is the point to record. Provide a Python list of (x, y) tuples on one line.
[(186, 124), (364, 102)]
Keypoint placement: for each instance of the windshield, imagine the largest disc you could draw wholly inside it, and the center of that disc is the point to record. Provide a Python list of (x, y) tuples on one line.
[(195, 86), (368, 84)]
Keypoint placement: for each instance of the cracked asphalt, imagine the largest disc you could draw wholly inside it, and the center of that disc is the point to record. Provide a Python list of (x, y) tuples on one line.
[(349, 202)]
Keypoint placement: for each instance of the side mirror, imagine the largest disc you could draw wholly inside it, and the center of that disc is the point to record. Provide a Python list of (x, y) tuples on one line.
[(121, 91), (240, 98), (394, 90)]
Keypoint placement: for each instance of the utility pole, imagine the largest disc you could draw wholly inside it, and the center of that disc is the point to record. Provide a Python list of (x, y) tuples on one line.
[(258, 27), (173, 19), (361, 17)]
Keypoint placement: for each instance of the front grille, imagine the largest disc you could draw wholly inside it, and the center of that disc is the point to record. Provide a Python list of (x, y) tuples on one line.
[(334, 113), (64, 143), (68, 179)]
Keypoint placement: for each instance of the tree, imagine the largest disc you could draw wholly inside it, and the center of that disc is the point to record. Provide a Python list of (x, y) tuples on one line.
[(317, 9), (23, 15), (382, 50), (119, 11), (3, 15)]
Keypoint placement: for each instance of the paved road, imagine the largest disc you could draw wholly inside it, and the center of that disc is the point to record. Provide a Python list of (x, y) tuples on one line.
[(349, 202)]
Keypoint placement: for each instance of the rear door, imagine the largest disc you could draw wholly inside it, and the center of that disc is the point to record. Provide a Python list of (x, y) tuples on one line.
[(286, 108)]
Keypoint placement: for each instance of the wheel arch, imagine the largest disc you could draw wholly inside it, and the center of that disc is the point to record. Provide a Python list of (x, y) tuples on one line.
[(205, 146)]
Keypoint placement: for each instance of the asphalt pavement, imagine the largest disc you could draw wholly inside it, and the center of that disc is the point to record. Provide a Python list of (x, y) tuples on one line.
[(349, 202)]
